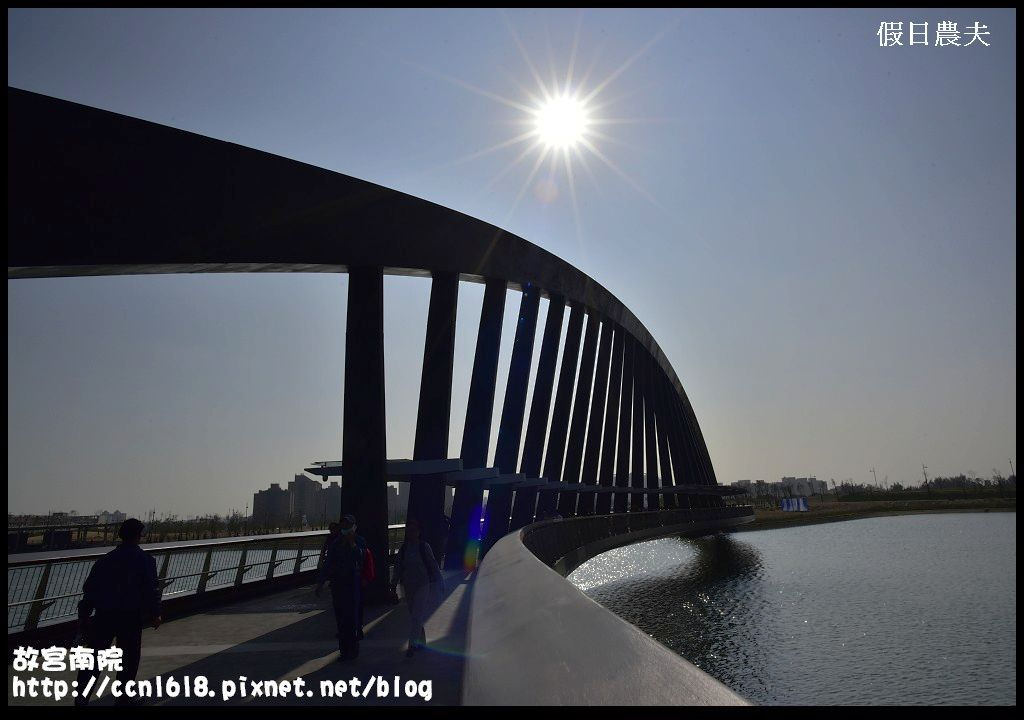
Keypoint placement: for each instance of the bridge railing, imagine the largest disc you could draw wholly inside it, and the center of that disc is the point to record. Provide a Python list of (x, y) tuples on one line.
[(47, 591)]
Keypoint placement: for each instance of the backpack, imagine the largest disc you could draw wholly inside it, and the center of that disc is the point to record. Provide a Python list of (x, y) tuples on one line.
[(432, 571), (369, 571)]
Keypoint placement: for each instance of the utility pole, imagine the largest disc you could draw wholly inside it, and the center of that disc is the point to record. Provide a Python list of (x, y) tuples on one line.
[(875, 475), (924, 471), (1011, 468)]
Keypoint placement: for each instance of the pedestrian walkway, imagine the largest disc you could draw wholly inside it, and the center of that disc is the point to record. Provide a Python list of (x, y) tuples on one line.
[(291, 634)]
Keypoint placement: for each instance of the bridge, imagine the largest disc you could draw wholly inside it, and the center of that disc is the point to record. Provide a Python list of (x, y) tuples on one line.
[(611, 454)]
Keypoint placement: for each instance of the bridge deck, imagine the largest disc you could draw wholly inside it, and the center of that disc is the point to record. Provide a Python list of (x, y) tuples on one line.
[(291, 633)]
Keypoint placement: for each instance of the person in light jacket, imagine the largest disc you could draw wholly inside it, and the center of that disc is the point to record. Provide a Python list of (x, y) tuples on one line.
[(422, 584)]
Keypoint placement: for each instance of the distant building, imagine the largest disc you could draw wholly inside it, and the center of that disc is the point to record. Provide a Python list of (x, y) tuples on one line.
[(392, 504), (398, 502), (305, 503), (271, 507), (332, 501), (754, 488), (801, 486), (110, 518), (787, 487)]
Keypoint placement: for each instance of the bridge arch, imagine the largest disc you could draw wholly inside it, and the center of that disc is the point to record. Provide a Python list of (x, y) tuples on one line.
[(92, 192)]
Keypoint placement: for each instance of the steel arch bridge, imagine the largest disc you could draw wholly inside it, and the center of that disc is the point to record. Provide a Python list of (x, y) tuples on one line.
[(92, 192)]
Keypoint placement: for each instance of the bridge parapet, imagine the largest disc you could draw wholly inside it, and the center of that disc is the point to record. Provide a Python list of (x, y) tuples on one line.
[(536, 639), (564, 545)]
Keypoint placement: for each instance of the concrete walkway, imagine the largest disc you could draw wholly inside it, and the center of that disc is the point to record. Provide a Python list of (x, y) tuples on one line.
[(291, 634)]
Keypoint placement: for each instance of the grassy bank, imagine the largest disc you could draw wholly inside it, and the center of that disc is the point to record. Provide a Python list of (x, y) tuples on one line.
[(831, 511)]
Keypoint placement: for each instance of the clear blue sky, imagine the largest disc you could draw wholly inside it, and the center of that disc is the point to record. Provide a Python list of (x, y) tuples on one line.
[(819, 232)]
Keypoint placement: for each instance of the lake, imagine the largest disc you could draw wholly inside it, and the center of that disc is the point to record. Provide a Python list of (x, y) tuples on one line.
[(914, 609)]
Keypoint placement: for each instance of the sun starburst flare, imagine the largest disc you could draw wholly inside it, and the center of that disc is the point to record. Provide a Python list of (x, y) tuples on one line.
[(558, 122), (561, 122)]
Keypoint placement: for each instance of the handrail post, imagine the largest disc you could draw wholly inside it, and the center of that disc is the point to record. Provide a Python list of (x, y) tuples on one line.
[(241, 567), (298, 558), (162, 576), (205, 573), (273, 562), (36, 609)]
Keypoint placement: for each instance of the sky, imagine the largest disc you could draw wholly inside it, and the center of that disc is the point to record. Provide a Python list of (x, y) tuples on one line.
[(818, 231)]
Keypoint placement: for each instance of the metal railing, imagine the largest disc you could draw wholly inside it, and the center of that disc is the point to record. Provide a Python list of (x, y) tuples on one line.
[(47, 591)]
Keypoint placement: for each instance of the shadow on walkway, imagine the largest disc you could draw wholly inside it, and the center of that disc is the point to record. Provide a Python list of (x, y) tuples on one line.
[(292, 634)]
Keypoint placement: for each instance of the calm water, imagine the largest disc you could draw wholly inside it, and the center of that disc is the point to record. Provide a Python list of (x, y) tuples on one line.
[(916, 609)]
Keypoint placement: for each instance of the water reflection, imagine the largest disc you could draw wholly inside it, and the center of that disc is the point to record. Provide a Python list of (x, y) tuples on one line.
[(902, 610), (698, 607)]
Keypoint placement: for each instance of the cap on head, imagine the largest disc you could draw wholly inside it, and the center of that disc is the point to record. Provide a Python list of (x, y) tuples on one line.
[(351, 519), (131, 530)]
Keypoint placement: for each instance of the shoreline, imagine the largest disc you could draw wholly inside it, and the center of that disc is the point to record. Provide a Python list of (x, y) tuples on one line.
[(773, 519)]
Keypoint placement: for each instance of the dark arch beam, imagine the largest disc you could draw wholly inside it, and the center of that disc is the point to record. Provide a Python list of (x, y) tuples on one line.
[(637, 500), (506, 453), (654, 479), (433, 417), (578, 428), (91, 192), (603, 502), (668, 471), (554, 457), (599, 396), (467, 505), (622, 456), (363, 453), (540, 410)]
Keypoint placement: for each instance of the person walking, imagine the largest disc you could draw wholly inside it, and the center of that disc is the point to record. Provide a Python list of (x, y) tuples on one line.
[(332, 535), (124, 591), (422, 584), (368, 571), (343, 568)]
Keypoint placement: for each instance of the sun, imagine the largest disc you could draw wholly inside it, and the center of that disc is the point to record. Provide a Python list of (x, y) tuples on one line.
[(561, 122)]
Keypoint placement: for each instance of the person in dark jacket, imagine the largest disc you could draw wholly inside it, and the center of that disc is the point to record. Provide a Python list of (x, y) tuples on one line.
[(332, 535), (123, 590), (343, 568)]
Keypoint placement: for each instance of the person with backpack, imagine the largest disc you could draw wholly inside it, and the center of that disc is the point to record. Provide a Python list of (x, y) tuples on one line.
[(421, 580), (369, 572), (344, 567)]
